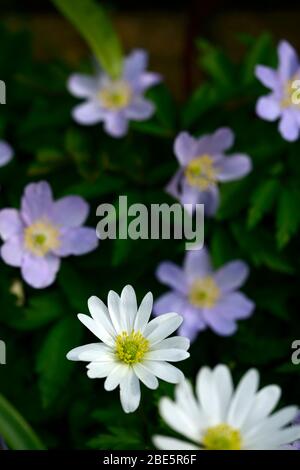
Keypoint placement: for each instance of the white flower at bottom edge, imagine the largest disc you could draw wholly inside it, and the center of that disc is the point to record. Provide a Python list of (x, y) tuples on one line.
[(131, 347), (223, 419)]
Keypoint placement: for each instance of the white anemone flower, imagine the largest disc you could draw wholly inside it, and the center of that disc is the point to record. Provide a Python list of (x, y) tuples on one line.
[(219, 418), (131, 347)]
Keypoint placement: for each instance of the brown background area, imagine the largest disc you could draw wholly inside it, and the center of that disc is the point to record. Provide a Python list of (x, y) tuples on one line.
[(168, 33)]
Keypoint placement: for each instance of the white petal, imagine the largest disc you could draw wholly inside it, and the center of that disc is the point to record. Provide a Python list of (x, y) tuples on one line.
[(98, 370), (185, 398), (100, 314), (146, 376), (89, 352), (178, 420), (107, 355), (170, 443), (172, 355), (113, 303), (128, 307), (177, 342), (115, 377), (162, 326), (97, 329), (130, 392), (278, 439), (207, 395), (265, 401), (279, 419), (243, 398), (222, 381), (143, 313), (164, 371)]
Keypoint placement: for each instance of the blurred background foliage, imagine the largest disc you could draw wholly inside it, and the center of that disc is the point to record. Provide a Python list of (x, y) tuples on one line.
[(258, 221)]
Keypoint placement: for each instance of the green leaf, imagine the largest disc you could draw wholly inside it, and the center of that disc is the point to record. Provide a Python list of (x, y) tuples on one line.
[(92, 22), (234, 197), (262, 201), (261, 248), (259, 349), (118, 438), (288, 215), (15, 431), (52, 366), (203, 99), (122, 250), (42, 309), (215, 62), (103, 185), (76, 289), (151, 127), (289, 368), (222, 246), (165, 109), (257, 54)]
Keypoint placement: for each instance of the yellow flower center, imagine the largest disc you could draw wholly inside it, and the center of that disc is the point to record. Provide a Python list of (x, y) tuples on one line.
[(204, 292), (41, 237), (200, 172), (290, 94), (222, 437), (115, 95), (131, 348)]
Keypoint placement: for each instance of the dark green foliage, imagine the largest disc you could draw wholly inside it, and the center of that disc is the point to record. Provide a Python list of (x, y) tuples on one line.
[(258, 221)]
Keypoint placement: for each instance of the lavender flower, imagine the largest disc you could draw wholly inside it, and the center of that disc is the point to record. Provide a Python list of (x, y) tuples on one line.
[(3, 446), (280, 102), (115, 101), (203, 164), (6, 153), (296, 444), (204, 297), (43, 231)]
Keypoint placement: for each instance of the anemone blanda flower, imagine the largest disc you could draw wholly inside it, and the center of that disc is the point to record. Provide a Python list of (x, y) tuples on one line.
[(203, 165), (115, 101), (43, 231), (279, 103), (6, 153), (219, 418), (131, 349), (204, 297)]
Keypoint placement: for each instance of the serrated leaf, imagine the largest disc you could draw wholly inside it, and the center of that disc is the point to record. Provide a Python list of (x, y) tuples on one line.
[(262, 201), (92, 22), (52, 366), (288, 216)]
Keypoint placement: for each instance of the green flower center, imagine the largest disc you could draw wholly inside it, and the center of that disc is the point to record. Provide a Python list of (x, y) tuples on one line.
[(222, 437), (115, 95), (41, 237), (200, 172), (131, 348), (204, 292)]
